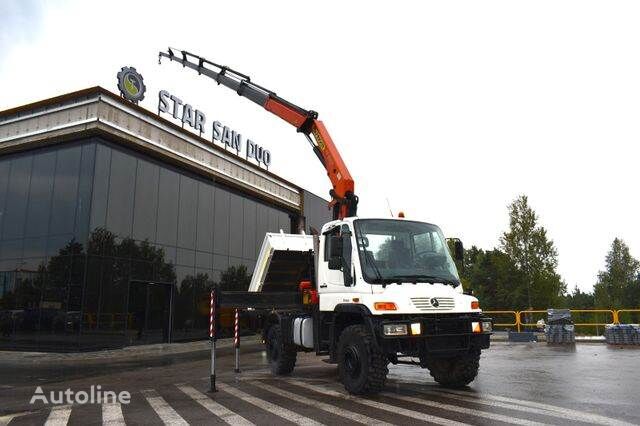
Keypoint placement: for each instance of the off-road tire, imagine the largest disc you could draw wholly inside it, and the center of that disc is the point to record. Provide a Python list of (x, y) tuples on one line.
[(455, 372), (282, 357), (362, 367)]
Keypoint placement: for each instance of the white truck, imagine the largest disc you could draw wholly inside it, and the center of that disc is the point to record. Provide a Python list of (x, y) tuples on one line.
[(362, 292), (369, 292)]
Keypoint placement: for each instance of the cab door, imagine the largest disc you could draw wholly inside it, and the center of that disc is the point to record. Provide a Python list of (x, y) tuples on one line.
[(332, 276)]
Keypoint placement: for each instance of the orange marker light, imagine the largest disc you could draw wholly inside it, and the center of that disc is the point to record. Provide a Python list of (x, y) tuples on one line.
[(401, 215), (475, 327), (475, 305), (385, 306)]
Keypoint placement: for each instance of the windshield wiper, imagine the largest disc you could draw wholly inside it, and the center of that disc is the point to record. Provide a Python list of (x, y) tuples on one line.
[(431, 279), (371, 263)]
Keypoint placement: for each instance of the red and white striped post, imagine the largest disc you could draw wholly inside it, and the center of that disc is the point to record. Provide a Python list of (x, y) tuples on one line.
[(212, 336), (236, 339)]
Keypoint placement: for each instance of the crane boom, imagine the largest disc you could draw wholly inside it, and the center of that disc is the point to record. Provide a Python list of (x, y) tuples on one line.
[(343, 200)]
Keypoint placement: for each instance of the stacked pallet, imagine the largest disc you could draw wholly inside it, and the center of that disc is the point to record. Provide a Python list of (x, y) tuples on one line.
[(622, 334), (559, 328)]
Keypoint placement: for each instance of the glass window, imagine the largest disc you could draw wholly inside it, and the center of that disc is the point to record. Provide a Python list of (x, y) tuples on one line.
[(100, 186), (188, 212), (168, 207), (186, 257), (204, 235), (65, 191), (40, 193), (236, 218), (403, 251), (221, 222), (121, 193), (262, 226), (249, 229), (85, 183), (5, 168), (17, 197), (145, 210)]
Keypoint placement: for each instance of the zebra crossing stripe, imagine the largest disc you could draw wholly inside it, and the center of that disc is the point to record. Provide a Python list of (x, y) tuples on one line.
[(379, 405), (112, 414), (356, 417), (498, 404), (269, 406), (59, 415), (168, 415), (463, 410), (563, 412), (221, 411)]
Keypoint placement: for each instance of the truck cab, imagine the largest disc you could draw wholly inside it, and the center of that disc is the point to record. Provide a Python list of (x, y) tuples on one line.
[(373, 292)]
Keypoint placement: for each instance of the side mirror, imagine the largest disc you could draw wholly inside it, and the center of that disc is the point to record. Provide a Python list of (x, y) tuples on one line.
[(458, 250)]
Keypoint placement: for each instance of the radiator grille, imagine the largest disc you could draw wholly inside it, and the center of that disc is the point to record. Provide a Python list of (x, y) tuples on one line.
[(430, 304)]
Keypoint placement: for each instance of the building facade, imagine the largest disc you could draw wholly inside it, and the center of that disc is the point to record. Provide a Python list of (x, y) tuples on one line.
[(115, 223)]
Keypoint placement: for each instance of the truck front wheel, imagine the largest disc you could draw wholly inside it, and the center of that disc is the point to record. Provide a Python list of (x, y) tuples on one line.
[(362, 367), (282, 357), (455, 372)]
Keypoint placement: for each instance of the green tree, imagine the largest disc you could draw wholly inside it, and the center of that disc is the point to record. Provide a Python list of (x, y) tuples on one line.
[(235, 278), (618, 285), (526, 243)]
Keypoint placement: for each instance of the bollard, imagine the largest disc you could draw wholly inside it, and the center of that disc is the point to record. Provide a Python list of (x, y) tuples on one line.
[(212, 336), (236, 340)]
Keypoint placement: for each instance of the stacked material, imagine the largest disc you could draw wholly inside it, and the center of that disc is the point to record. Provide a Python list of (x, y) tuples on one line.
[(622, 334), (559, 328)]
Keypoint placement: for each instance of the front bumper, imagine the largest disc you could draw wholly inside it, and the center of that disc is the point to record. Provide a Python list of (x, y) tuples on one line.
[(440, 334)]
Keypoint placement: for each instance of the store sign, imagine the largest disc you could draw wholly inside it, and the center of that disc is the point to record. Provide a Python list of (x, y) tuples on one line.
[(196, 119)]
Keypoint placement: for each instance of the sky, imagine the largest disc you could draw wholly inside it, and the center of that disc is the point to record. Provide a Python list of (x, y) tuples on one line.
[(449, 110)]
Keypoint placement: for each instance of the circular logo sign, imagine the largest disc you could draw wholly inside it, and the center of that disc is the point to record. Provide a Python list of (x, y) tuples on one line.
[(434, 302), (131, 84)]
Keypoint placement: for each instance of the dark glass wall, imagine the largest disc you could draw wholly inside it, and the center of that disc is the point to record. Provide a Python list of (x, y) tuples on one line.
[(97, 241)]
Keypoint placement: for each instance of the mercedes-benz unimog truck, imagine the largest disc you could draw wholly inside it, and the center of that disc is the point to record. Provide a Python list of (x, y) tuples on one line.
[(363, 293)]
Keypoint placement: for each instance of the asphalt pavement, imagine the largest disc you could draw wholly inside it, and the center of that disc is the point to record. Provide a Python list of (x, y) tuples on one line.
[(525, 384)]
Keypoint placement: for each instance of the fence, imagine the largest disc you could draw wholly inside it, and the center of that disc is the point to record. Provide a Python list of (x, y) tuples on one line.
[(596, 318)]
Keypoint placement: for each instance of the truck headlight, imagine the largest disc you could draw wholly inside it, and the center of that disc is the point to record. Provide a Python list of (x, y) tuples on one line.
[(416, 328), (394, 329), (486, 326)]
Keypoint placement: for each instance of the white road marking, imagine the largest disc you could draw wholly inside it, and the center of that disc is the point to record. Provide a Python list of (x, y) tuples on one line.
[(112, 414), (356, 417), (221, 411), (498, 404), (5, 420), (564, 412), (59, 415), (268, 406), (379, 405), (168, 415), (463, 410)]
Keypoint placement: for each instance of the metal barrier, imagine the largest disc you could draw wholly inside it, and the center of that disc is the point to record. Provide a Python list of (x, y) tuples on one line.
[(516, 318), (623, 311), (521, 322)]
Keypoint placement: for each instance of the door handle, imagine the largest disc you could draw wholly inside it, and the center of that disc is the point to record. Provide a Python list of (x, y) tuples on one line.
[(323, 286)]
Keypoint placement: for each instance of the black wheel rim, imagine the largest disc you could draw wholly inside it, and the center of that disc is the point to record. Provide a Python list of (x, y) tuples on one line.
[(352, 362)]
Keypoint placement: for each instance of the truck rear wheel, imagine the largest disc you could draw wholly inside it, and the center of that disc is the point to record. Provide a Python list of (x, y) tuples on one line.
[(282, 357), (455, 372), (362, 367)]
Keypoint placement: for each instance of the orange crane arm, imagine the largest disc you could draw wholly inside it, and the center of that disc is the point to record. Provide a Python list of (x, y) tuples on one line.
[(344, 202)]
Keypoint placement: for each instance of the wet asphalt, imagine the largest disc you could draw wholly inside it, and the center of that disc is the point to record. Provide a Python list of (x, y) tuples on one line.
[(518, 383)]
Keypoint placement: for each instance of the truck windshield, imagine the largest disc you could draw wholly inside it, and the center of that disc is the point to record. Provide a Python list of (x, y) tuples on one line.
[(396, 251)]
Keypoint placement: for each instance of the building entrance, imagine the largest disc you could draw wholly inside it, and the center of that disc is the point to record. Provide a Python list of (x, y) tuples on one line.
[(149, 313)]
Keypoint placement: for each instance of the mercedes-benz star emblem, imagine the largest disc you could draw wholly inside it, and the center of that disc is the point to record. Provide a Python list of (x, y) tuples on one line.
[(434, 302)]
